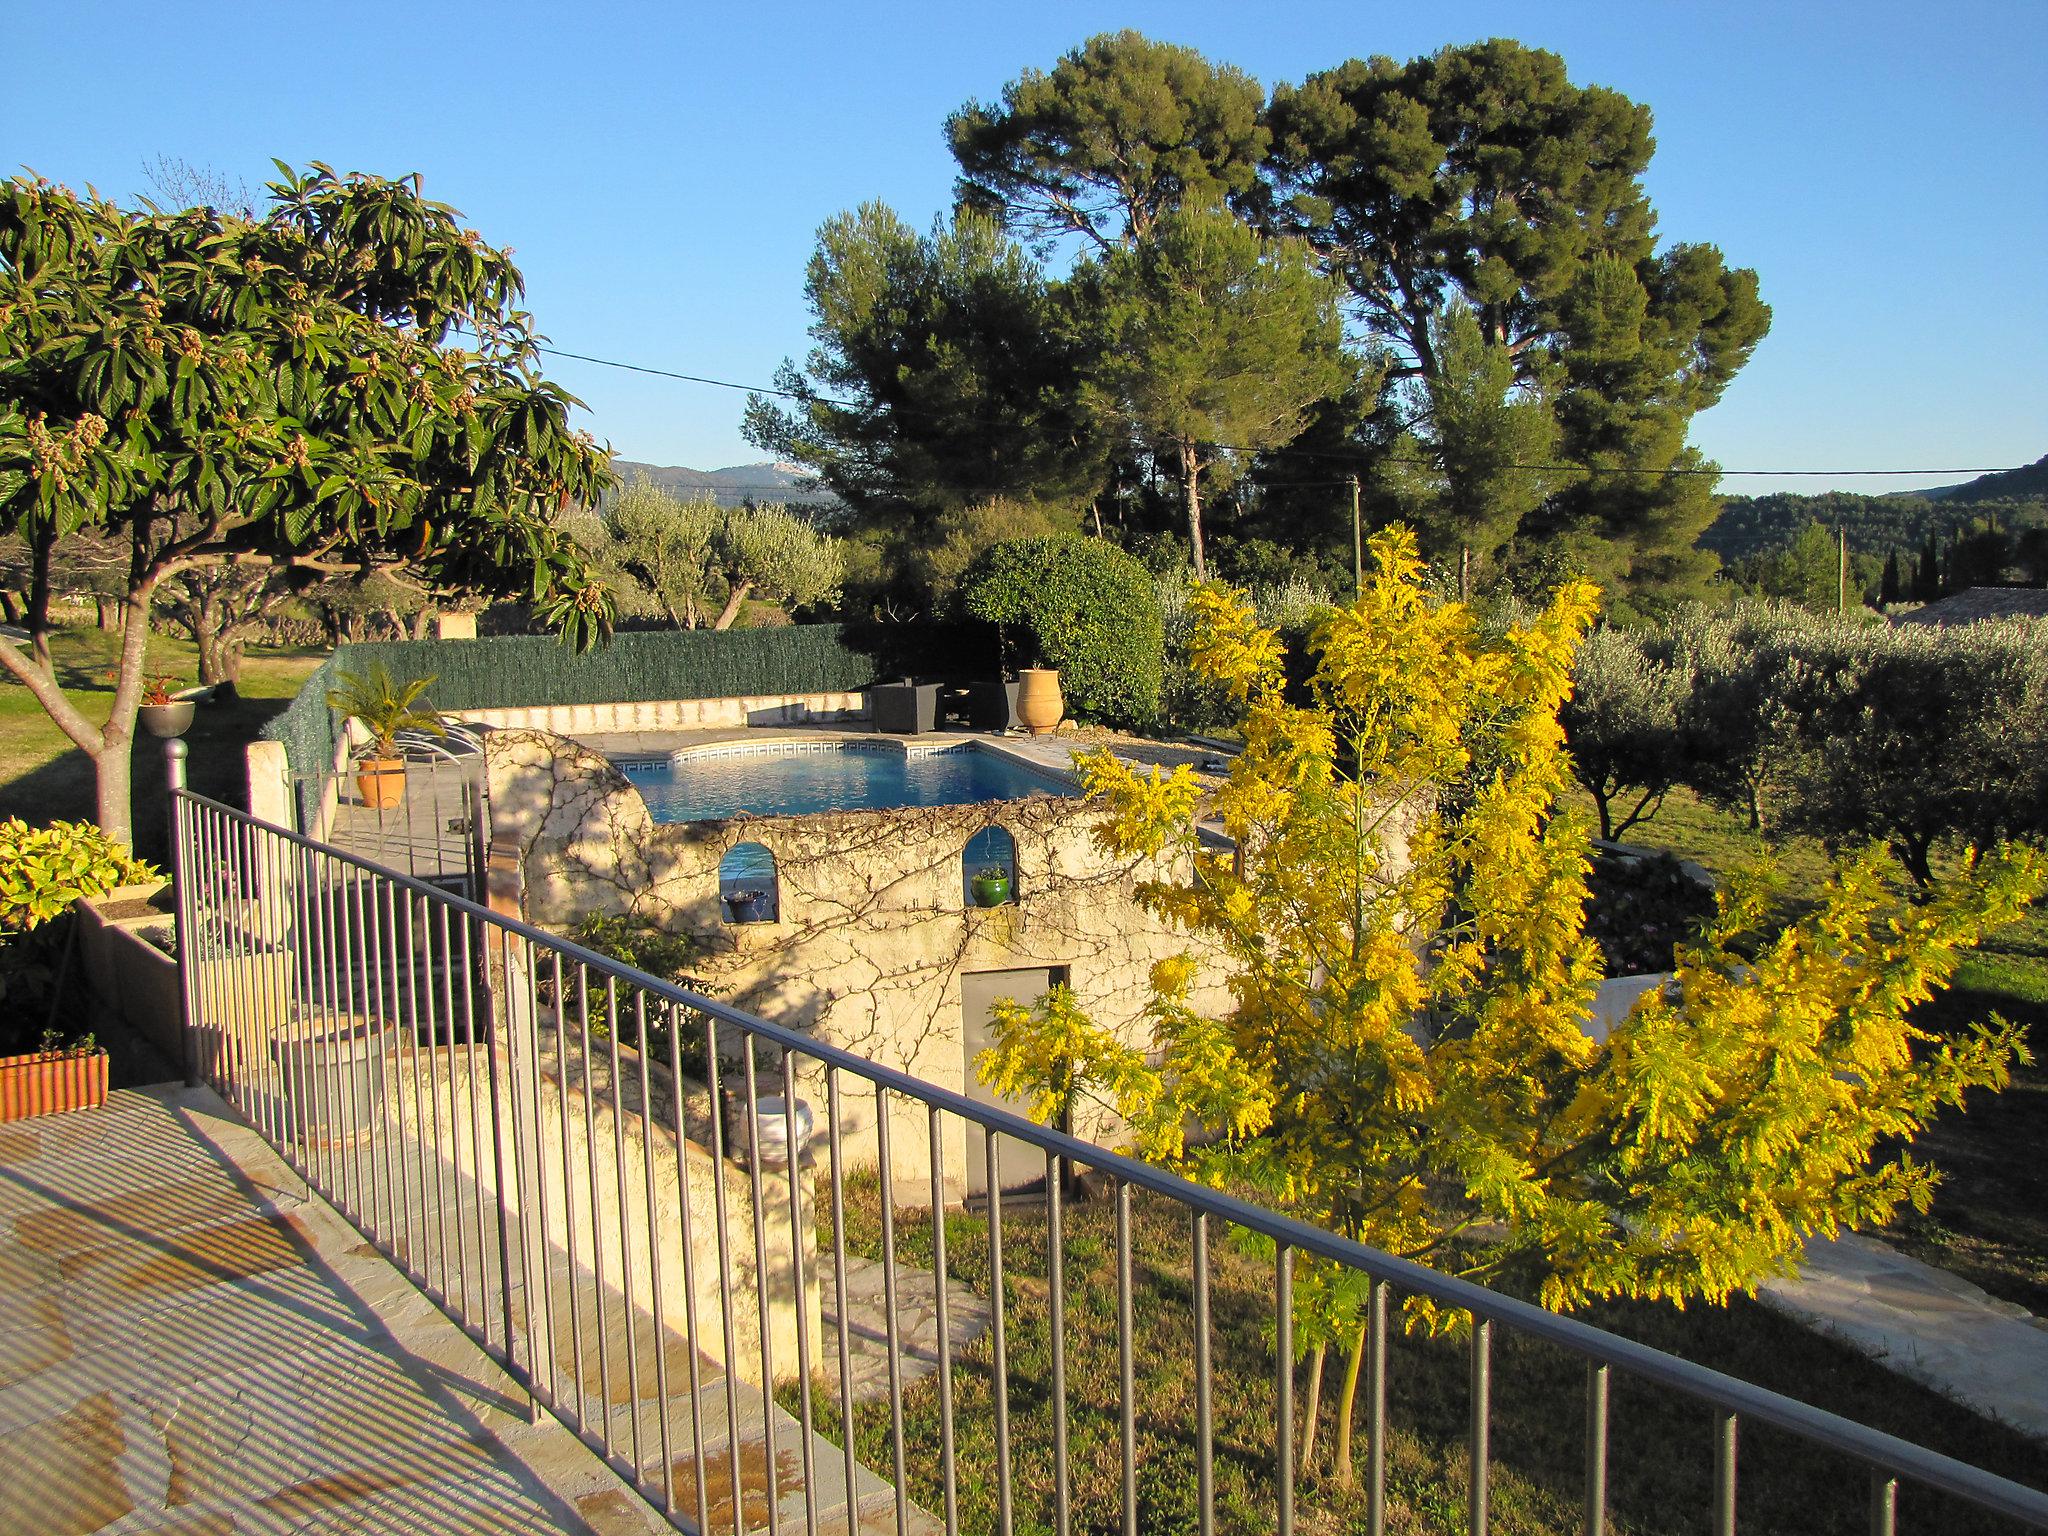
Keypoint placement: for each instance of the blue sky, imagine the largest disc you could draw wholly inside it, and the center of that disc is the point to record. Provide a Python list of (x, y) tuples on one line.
[(662, 169)]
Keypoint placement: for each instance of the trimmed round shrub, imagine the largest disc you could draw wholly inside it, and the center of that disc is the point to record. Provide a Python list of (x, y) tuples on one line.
[(1082, 606)]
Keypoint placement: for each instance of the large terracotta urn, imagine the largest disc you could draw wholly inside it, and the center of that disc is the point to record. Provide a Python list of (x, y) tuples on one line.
[(380, 782), (1039, 702)]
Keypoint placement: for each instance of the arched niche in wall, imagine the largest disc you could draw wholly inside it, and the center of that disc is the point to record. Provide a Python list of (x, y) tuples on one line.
[(988, 868), (749, 890)]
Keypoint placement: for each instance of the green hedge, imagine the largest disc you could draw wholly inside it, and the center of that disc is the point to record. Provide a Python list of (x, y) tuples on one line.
[(520, 671)]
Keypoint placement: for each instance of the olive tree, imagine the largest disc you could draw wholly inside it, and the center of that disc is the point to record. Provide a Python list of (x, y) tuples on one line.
[(696, 563), (200, 388)]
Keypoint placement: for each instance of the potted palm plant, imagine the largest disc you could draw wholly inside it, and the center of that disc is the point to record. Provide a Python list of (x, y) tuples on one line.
[(383, 708)]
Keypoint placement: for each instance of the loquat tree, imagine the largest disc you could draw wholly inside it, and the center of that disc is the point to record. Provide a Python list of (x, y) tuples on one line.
[(205, 388)]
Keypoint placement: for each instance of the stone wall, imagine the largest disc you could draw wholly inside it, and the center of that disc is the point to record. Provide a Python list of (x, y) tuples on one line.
[(874, 931)]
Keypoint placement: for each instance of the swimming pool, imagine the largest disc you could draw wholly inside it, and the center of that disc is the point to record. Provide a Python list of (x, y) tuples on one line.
[(804, 778)]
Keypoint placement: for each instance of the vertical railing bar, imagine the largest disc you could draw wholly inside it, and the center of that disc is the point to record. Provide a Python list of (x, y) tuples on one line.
[(626, 1308), (319, 994), (660, 1306), (420, 953), (348, 1182), (1884, 1503), (181, 908), (492, 1042), (394, 1060), (896, 1454), (198, 875), (1056, 1298), (438, 1025), (604, 1367), (999, 1344), (769, 1477), (1205, 1436), (1376, 1408), (1596, 1448), (797, 1281), (460, 1299), (722, 1225), (383, 1035), (846, 1425), (1482, 1421), (470, 976), (263, 1103), (936, 1134), (675, 1072), (538, 1265), (1724, 1473), (319, 1063), (1127, 1384), (1283, 1400), (229, 1000), (348, 1175), (509, 1120), (292, 1022), (569, 1178)]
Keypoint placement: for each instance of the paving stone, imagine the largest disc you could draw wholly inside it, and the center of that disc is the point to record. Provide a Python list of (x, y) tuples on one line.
[(1925, 1323)]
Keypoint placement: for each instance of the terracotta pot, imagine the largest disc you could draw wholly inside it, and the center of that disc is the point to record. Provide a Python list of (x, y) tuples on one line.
[(1039, 702), (380, 782), (167, 720), (51, 1082)]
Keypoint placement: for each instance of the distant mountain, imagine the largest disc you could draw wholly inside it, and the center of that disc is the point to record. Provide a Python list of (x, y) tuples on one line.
[(2022, 484), (766, 481), (2014, 498)]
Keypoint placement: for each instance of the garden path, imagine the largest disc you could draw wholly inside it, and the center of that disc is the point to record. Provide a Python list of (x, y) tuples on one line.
[(1925, 1323)]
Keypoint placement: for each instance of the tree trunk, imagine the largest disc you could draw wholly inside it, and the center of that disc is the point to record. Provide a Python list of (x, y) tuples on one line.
[(1347, 1399), (117, 737), (422, 623), (733, 604), (203, 619), (37, 616), (1191, 485), (1314, 1408), (106, 614), (10, 609)]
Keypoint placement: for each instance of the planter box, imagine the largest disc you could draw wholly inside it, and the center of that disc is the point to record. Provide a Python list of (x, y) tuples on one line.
[(52, 1082)]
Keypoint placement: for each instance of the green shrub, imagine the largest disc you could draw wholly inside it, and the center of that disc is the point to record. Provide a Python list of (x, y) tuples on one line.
[(45, 870), (43, 873), (1082, 606)]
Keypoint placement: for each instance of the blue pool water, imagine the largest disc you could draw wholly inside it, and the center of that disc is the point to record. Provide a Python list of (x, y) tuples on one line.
[(801, 783)]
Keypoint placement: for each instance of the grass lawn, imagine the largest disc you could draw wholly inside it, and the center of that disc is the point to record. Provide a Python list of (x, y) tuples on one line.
[(1660, 1457), (44, 778), (1989, 1221)]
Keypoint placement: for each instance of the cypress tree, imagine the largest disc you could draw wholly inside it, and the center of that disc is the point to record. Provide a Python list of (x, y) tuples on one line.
[(1927, 580), (1888, 589)]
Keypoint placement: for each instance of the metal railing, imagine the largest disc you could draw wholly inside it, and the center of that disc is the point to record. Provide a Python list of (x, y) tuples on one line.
[(511, 1118)]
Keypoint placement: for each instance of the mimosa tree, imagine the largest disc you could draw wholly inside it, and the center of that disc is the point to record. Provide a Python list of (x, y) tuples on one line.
[(1402, 926)]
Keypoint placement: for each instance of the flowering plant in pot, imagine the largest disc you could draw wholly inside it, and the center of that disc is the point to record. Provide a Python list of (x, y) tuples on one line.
[(163, 713), (991, 885), (383, 708)]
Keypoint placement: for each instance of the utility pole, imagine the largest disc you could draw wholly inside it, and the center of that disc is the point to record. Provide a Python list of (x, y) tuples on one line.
[(1357, 546), (1842, 569)]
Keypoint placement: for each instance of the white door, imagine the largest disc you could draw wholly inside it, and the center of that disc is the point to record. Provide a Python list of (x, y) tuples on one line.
[(1019, 1164)]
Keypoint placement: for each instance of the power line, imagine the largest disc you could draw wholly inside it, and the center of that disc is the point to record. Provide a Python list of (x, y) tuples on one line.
[(1346, 454)]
